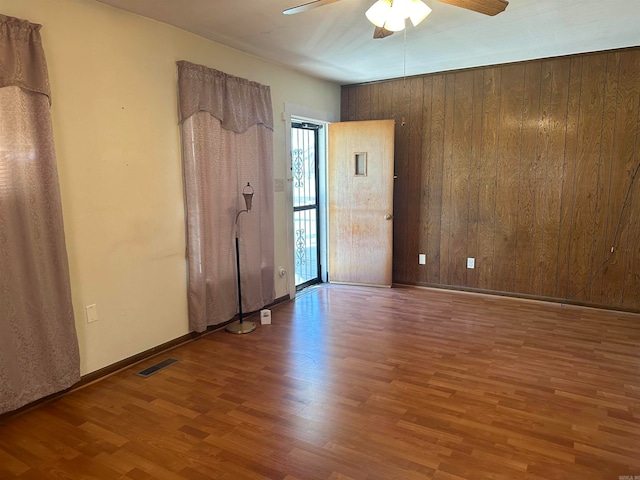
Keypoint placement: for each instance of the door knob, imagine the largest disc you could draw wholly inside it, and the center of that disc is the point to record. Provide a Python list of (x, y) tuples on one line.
[(388, 216)]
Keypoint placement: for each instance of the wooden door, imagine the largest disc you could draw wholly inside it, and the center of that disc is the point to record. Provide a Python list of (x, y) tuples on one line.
[(361, 202)]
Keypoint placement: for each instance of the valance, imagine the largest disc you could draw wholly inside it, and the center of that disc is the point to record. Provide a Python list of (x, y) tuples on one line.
[(22, 61), (238, 103)]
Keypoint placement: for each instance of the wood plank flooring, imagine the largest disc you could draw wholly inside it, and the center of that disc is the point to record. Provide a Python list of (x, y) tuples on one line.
[(361, 383)]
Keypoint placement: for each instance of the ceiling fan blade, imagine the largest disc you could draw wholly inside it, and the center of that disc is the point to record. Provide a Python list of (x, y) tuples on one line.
[(307, 6), (488, 7), (381, 32)]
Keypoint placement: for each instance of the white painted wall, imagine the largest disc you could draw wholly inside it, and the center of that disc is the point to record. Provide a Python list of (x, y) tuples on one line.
[(113, 82)]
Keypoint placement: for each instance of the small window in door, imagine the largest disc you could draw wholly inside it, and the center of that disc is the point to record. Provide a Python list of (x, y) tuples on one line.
[(361, 164)]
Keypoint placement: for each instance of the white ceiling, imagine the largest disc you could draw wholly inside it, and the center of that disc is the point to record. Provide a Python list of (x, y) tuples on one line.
[(335, 41)]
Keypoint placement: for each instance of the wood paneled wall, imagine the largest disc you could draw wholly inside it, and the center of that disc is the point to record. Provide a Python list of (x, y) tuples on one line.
[(526, 167)]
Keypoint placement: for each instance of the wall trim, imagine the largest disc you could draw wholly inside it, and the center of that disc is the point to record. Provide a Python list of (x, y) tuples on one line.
[(520, 296)]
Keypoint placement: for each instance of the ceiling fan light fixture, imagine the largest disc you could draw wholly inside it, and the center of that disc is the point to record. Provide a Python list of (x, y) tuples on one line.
[(401, 8), (394, 23), (391, 14), (419, 11), (378, 13)]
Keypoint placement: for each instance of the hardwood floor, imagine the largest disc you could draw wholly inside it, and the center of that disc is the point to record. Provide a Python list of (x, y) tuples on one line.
[(361, 383)]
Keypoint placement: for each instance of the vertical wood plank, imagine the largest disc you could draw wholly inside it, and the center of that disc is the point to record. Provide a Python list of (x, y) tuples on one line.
[(508, 166), (554, 177), (426, 182), (436, 168), (568, 186), (600, 248), (447, 179), (385, 96), (375, 102), (540, 210), (492, 78), (527, 176), (401, 227), (363, 103), (474, 175), (414, 124), (460, 153), (353, 103), (344, 104)]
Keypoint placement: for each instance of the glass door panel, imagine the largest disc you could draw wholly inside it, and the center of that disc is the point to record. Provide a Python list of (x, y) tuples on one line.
[(304, 172)]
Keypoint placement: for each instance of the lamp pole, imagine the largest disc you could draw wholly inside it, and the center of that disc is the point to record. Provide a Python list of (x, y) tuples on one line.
[(241, 326)]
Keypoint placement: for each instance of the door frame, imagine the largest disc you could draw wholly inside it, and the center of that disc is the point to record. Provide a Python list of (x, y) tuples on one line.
[(292, 114)]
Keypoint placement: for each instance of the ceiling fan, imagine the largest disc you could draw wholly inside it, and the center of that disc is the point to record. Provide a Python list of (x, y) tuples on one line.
[(383, 13)]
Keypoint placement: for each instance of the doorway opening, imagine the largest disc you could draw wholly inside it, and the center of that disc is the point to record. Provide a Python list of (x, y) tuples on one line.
[(305, 179)]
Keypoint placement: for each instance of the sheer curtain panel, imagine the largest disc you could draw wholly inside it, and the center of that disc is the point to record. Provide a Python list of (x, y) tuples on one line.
[(38, 344), (227, 140)]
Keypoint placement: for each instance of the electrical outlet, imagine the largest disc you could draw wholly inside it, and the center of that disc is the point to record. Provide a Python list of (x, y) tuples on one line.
[(422, 259), (471, 262), (92, 313)]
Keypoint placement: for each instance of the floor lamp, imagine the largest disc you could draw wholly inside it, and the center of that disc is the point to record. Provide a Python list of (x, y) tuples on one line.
[(241, 326)]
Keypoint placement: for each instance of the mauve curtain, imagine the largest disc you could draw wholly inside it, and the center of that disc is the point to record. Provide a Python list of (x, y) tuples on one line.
[(38, 344), (227, 140)]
